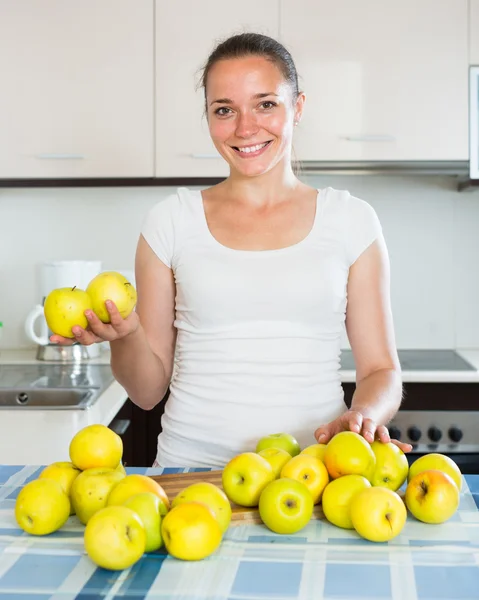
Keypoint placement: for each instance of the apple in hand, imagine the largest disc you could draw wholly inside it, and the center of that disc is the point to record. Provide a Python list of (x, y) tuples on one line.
[(348, 453), (90, 490), (391, 466), (115, 538), (310, 471), (64, 308), (148, 507), (113, 286), (285, 505), (316, 450), (436, 462), (245, 476), (276, 457), (432, 496), (285, 441), (378, 514), (337, 498), (212, 496)]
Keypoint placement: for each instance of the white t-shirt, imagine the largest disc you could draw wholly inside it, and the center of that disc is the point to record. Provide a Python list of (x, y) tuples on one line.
[(259, 332)]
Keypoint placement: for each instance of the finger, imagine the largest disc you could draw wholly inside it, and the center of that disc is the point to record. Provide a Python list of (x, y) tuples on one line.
[(115, 317), (323, 434), (354, 421), (368, 430), (84, 337), (402, 445), (382, 434), (63, 341)]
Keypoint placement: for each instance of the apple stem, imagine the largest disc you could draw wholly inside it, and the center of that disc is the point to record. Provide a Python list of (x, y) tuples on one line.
[(73, 288), (388, 519), (424, 487)]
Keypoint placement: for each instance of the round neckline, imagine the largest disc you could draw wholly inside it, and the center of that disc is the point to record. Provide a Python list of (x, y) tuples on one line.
[(283, 250)]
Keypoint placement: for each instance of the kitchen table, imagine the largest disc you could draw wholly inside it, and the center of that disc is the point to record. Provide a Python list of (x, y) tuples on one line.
[(425, 562)]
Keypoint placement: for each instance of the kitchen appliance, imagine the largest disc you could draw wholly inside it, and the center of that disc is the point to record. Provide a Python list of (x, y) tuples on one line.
[(52, 275), (474, 122)]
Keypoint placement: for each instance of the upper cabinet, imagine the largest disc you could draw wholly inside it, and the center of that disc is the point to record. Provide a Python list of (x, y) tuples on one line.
[(474, 32), (77, 88), (383, 80), (186, 33)]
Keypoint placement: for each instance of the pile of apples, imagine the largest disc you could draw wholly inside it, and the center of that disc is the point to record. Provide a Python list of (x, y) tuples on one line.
[(356, 482)]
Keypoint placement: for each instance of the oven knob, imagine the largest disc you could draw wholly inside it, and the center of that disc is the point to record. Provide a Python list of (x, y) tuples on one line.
[(434, 433), (394, 432), (414, 433), (455, 434)]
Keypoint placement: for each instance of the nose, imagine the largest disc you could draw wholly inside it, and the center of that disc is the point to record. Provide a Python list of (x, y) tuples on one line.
[(246, 126)]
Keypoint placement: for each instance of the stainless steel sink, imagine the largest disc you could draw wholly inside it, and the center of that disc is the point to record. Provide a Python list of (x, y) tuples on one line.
[(24, 398)]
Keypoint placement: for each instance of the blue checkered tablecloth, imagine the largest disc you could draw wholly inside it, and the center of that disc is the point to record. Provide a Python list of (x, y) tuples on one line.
[(425, 562)]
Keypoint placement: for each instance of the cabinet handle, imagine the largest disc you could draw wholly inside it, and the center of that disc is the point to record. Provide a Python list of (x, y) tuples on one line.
[(59, 156), (205, 156), (369, 138), (119, 426)]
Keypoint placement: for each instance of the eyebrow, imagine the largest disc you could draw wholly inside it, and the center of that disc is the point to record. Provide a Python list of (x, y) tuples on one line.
[(256, 97)]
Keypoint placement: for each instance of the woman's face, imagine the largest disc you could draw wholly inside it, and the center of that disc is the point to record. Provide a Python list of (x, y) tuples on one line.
[(251, 114)]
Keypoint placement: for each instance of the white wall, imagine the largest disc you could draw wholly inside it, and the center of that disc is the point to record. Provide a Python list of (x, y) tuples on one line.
[(430, 228)]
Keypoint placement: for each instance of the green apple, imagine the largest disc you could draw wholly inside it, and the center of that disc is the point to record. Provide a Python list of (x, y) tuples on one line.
[(148, 507), (65, 308), (391, 465), (245, 477), (337, 497), (285, 505), (378, 514), (115, 538), (285, 441), (90, 490), (432, 496), (113, 286), (276, 457), (439, 462), (212, 496)]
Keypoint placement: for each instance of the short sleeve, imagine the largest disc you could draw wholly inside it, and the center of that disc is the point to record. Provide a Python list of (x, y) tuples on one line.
[(160, 227), (363, 227)]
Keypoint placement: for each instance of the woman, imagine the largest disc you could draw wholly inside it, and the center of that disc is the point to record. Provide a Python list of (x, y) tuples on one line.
[(244, 288)]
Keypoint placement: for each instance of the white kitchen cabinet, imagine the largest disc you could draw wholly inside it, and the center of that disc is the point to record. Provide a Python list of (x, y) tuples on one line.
[(185, 36), (383, 80), (77, 87), (474, 32)]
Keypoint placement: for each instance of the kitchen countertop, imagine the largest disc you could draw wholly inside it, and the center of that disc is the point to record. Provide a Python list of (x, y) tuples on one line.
[(320, 562)]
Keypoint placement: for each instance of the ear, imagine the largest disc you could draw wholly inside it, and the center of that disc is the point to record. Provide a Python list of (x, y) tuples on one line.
[(298, 109)]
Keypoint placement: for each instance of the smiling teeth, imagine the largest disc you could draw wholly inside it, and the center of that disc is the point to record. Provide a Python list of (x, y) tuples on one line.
[(252, 148)]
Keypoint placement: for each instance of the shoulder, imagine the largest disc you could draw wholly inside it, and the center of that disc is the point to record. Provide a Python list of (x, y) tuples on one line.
[(343, 204), (173, 205)]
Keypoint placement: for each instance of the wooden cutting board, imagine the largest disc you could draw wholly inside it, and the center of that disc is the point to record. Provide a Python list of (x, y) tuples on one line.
[(175, 482)]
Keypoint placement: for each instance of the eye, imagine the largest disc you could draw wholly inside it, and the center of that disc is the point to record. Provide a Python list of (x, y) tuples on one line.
[(222, 111), (268, 104)]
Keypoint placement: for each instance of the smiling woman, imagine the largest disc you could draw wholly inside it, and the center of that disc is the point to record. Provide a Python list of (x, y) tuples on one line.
[(244, 288)]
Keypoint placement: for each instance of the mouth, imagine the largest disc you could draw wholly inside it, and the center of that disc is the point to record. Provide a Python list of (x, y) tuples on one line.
[(253, 150)]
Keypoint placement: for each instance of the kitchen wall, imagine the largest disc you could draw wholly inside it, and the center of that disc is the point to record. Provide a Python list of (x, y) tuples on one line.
[(430, 229)]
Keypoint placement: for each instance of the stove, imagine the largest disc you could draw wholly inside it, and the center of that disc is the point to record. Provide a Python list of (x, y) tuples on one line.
[(420, 360)]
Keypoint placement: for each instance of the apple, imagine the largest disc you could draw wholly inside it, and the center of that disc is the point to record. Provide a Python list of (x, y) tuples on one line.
[(285, 441), (436, 462), (64, 308), (348, 453), (110, 285), (148, 507), (391, 465), (432, 496), (115, 538), (63, 472), (378, 514), (136, 484), (245, 476), (310, 471), (316, 450), (276, 457), (121, 468), (285, 505), (191, 531), (212, 496), (337, 497), (89, 491), (96, 446), (42, 507)]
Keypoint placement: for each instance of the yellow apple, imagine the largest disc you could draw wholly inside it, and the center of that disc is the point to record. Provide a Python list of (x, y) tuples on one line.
[(96, 446), (285, 505), (115, 538), (113, 286), (148, 507), (316, 450), (89, 491), (348, 453), (42, 507), (378, 514), (436, 462), (191, 531), (245, 477), (337, 497), (285, 441), (310, 471), (276, 457), (212, 496), (63, 472), (121, 468), (432, 496), (65, 308), (391, 466), (136, 484)]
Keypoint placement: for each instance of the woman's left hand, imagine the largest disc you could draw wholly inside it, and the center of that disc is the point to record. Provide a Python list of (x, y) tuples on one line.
[(353, 420)]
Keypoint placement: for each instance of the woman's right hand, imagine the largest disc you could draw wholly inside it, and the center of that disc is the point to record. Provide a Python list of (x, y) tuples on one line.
[(97, 331)]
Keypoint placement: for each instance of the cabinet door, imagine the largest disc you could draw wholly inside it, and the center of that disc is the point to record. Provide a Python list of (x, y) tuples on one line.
[(184, 38), (77, 88), (384, 80), (474, 32)]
